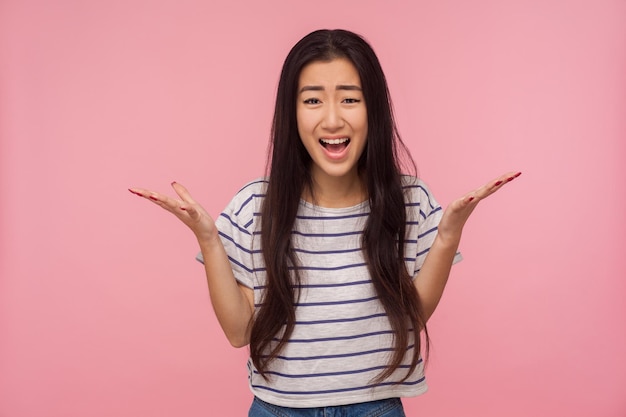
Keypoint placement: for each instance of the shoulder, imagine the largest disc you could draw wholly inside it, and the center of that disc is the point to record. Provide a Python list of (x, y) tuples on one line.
[(246, 205), (419, 196), (256, 186), (415, 188), (409, 181), (252, 190)]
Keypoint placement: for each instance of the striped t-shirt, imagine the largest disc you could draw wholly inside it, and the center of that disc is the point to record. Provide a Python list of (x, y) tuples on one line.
[(342, 339)]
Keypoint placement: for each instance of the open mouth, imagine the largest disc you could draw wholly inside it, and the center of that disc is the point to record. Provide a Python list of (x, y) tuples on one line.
[(335, 145)]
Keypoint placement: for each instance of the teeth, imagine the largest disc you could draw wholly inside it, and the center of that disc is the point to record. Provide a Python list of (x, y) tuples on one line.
[(334, 141)]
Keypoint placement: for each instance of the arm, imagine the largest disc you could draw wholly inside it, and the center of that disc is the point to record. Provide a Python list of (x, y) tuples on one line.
[(233, 303), (433, 276)]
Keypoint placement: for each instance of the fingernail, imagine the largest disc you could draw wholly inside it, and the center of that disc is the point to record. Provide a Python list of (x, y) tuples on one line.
[(183, 208), (470, 199), (498, 183), (173, 182), (517, 175), (510, 179), (135, 192), (153, 198)]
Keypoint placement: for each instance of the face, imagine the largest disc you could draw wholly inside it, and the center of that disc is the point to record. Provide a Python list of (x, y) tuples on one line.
[(332, 118)]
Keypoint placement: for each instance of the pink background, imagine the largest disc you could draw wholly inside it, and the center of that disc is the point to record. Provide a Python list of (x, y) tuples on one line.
[(104, 312)]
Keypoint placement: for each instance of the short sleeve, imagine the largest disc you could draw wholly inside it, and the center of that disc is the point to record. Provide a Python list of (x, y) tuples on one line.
[(424, 216), (237, 226)]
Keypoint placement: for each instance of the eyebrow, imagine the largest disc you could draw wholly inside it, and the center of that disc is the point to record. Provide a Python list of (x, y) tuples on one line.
[(348, 87)]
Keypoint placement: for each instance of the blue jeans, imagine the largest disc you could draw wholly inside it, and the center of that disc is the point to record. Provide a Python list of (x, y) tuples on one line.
[(391, 407)]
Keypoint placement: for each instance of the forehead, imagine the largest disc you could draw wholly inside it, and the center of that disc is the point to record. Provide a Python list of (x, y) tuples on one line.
[(339, 71)]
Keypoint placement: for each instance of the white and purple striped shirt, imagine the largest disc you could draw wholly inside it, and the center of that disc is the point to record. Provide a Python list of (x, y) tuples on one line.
[(342, 339)]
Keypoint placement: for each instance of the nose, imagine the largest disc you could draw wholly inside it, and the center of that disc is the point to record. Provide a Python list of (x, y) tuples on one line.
[(332, 118)]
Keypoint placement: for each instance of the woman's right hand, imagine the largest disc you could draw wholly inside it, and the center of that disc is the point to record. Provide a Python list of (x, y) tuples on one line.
[(233, 303), (186, 209)]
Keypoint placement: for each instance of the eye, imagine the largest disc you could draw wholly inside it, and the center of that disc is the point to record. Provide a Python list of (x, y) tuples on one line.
[(312, 101), (351, 100)]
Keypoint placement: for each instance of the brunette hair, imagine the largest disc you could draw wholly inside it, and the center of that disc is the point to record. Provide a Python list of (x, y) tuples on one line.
[(289, 175)]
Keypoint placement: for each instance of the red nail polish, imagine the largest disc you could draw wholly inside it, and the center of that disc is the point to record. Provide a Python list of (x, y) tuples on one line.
[(153, 198), (135, 192), (498, 183), (517, 175), (173, 182), (510, 179), (470, 199)]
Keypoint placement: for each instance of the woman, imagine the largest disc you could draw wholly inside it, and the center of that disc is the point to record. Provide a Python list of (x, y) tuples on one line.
[(330, 267)]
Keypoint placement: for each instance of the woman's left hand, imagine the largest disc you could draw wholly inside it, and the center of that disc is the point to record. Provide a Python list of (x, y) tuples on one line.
[(457, 213)]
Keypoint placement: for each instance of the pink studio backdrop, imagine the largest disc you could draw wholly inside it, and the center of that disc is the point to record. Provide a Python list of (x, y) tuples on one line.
[(103, 310)]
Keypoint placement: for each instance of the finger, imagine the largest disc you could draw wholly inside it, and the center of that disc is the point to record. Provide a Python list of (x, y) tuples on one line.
[(159, 199), (494, 185), (506, 178), (189, 210), (183, 193), (138, 192), (468, 202), (147, 194)]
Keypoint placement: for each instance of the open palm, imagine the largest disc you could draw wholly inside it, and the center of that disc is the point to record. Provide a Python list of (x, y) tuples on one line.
[(457, 213), (185, 208)]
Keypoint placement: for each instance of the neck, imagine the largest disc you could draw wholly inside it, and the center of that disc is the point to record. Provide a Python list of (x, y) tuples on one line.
[(336, 192)]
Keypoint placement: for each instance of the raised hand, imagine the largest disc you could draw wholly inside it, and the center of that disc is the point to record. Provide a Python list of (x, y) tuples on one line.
[(433, 276), (457, 213), (186, 209), (233, 302)]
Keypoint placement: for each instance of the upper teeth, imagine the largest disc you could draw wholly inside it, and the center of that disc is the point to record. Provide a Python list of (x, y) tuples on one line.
[(334, 141)]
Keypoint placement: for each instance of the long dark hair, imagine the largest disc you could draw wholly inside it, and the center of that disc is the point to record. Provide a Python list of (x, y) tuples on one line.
[(289, 175)]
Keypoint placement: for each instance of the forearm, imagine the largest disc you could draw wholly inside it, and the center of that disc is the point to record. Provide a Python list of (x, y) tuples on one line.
[(433, 276), (233, 303)]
